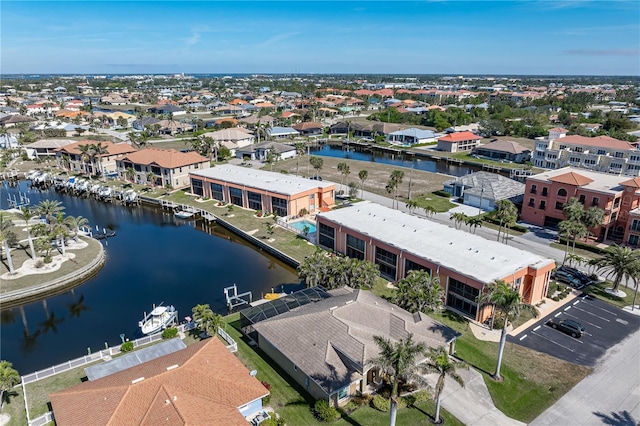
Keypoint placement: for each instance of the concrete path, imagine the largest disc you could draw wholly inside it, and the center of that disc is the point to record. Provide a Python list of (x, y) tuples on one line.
[(609, 396), (471, 404)]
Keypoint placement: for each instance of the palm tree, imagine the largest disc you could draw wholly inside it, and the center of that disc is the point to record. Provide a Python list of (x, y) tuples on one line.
[(130, 174), (9, 377), (75, 223), (344, 170), (363, 175), (60, 230), (27, 214), (506, 300), (439, 362), (207, 320), (571, 230), (398, 361), (133, 138), (317, 163), (459, 219), (98, 150), (507, 213), (429, 211), (7, 235), (419, 291), (411, 205), (474, 222), (85, 156), (395, 180), (619, 263), (300, 150)]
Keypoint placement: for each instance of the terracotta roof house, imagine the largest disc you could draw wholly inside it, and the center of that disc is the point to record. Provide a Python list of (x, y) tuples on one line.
[(504, 150), (458, 141), (325, 346), (70, 156), (202, 384), (308, 128), (161, 167)]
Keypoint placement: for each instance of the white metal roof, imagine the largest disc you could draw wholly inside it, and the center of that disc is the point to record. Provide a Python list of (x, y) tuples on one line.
[(456, 250), (262, 180)]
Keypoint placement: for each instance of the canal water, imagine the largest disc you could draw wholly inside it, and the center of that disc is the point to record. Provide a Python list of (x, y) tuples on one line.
[(153, 258), (355, 152)]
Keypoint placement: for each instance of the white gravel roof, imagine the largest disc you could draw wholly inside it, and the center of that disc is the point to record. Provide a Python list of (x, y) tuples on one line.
[(261, 179), (457, 250)]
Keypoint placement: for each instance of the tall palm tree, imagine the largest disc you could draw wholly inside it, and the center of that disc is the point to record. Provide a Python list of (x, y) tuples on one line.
[(502, 298), (507, 214), (49, 209), (75, 223), (300, 150), (619, 263), (7, 235), (27, 214), (398, 361), (85, 157), (207, 320), (363, 175), (60, 230), (97, 151), (9, 377), (439, 362)]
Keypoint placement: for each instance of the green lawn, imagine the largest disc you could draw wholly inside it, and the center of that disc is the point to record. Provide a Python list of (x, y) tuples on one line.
[(14, 407), (598, 290), (580, 252), (440, 204), (533, 381)]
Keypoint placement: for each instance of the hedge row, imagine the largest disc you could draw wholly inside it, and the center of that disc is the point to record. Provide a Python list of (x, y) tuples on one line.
[(584, 246)]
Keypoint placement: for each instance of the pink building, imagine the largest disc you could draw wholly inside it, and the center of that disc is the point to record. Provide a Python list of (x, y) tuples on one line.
[(465, 263)]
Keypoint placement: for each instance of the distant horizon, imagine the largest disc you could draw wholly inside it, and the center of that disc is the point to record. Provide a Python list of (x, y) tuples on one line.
[(506, 38)]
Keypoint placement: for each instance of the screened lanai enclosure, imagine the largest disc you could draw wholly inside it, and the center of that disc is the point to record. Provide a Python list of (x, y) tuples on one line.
[(289, 302)]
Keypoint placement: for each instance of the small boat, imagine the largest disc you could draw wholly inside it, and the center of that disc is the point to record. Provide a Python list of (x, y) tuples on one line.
[(158, 319), (106, 233), (182, 214)]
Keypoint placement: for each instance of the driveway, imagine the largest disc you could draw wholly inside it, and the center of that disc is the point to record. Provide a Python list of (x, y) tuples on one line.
[(609, 396), (605, 326)]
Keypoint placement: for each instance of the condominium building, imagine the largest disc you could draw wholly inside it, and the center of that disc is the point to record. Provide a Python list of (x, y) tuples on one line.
[(601, 153)]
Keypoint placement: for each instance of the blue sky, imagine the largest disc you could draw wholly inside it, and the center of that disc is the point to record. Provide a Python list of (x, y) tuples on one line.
[(579, 37)]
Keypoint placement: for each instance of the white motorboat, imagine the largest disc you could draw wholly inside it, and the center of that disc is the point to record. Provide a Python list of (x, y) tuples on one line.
[(158, 319), (183, 214)]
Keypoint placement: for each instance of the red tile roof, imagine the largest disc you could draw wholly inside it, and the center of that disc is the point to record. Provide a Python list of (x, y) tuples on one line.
[(167, 158), (558, 130), (571, 178), (634, 183), (459, 137), (207, 387), (112, 148), (598, 141)]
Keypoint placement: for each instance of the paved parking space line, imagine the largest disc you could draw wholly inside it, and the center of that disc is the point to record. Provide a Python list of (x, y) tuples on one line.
[(582, 320), (598, 307), (557, 315), (576, 302), (591, 313), (536, 329), (554, 342), (567, 308), (522, 338)]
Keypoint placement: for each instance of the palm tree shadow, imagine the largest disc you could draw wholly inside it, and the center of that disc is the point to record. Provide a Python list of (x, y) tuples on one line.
[(622, 418)]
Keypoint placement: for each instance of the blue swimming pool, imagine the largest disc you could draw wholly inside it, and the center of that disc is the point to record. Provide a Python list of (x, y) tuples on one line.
[(300, 224)]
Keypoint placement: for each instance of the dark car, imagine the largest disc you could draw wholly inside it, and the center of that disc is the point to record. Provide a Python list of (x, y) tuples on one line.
[(567, 278), (568, 326), (316, 178), (584, 278)]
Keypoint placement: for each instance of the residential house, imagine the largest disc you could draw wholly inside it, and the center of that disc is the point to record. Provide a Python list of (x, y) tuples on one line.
[(270, 192), (325, 346), (161, 167), (260, 151), (201, 384), (308, 128), (46, 148), (465, 263), (601, 153), (167, 109), (69, 157), (172, 127), (546, 194), (11, 120), (282, 132), (484, 189), (504, 150), (458, 142), (232, 138), (411, 136), (144, 122)]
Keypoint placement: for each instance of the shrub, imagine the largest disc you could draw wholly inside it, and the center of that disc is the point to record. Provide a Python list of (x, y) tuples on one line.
[(381, 403), (170, 333), (126, 347), (421, 396), (362, 399), (39, 264), (489, 218), (584, 246), (324, 411), (273, 421), (47, 259), (441, 193), (553, 287), (350, 407), (267, 398)]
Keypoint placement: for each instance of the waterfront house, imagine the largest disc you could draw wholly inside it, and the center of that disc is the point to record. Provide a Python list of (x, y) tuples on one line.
[(144, 122), (484, 189), (464, 263), (161, 167), (69, 157), (167, 109), (411, 136), (202, 384), (324, 346), (270, 192), (458, 142), (46, 148), (260, 151), (504, 150), (282, 132), (308, 128)]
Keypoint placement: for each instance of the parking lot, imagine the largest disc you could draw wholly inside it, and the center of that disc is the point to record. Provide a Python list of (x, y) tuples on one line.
[(605, 325)]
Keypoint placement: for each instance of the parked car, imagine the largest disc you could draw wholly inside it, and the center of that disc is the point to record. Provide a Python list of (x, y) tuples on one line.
[(567, 278), (568, 326), (316, 178), (586, 279)]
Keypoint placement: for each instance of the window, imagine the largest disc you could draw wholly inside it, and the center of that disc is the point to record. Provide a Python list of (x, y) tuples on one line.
[(255, 200), (619, 154), (216, 192), (562, 147), (543, 205), (355, 247), (633, 240), (343, 393), (196, 185), (601, 152), (279, 206), (595, 201), (545, 192), (562, 192), (616, 203), (236, 196), (327, 236), (137, 167), (155, 170), (582, 198), (462, 297), (635, 225), (578, 149), (410, 265), (532, 202), (559, 205), (387, 262), (634, 158), (590, 162), (534, 189)]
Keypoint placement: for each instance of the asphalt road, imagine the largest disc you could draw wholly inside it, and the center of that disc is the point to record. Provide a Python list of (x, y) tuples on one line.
[(605, 326)]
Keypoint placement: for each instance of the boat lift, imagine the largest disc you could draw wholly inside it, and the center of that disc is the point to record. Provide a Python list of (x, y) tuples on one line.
[(16, 203), (234, 299)]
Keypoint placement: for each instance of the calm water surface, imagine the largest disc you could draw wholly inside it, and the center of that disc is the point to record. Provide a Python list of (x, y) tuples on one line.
[(153, 258)]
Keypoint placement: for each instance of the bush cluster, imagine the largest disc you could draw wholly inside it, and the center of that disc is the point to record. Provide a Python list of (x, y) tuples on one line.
[(126, 347), (170, 333), (324, 411)]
